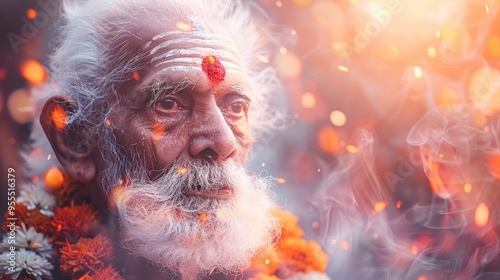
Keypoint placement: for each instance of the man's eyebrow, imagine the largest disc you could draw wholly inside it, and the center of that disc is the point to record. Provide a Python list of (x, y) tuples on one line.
[(243, 89), (161, 87)]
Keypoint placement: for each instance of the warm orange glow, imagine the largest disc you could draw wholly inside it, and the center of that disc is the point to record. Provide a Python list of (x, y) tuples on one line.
[(345, 245), (418, 72), (467, 187), (21, 106), (158, 130), (351, 149), (447, 98), (493, 163), (58, 117), (31, 13), (182, 170), (288, 64), (203, 217), (338, 118), (280, 180), (301, 2), (431, 51), (108, 122), (482, 215), (328, 139), (414, 249), (379, 206), (136, 76), (53, 178), (422, 277), (116, 196), (279, 4), (343, 68), (484, 89), (398, 204), (34, 245), (35, 179), (315, 224), (33, 71), (263, 58), (494, 45), (59, 227), (182, 26), (308, 100)]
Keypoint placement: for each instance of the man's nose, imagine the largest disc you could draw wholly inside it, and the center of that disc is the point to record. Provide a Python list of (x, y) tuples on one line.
[(212, 138)]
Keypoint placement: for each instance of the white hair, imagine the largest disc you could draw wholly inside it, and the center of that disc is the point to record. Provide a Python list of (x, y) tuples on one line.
[(93, 57), (158, 222)]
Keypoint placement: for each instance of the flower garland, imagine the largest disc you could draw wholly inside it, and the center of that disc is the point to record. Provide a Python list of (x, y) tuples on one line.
[(60, 236)]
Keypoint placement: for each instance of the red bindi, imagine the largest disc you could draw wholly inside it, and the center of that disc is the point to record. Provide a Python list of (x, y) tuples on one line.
[(214, 70)]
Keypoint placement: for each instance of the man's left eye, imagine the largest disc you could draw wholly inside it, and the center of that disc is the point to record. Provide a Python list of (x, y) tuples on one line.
[(237, 108)]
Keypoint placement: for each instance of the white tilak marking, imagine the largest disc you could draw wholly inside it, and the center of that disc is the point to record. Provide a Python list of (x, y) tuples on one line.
[(197, 51), (199, 33), (197, 61), (200, 42), (184, 68)]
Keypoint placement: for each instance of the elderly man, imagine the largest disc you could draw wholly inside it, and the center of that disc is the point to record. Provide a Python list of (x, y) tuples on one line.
[(154, 106)]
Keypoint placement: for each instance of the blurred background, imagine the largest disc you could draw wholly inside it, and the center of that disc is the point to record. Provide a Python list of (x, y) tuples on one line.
[(392, 162)]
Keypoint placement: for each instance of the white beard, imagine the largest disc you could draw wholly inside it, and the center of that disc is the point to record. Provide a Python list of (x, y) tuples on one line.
[(169, 229)]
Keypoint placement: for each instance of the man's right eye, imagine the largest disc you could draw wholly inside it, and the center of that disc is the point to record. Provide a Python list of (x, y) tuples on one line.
[(168, 104)]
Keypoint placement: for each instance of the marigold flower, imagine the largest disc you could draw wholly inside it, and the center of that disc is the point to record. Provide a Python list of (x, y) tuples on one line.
[(32, 218), (299, 255), (89, 255), (288, 222), (73, 222), (109, 273), (263, 276), (71, 192)]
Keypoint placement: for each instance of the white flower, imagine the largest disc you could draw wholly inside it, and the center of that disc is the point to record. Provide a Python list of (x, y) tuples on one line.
[(312, 275), (30, 262), (36, 197), (29, 239)]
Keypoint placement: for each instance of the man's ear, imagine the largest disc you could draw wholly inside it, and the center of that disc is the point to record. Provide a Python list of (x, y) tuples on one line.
[(70, 144)]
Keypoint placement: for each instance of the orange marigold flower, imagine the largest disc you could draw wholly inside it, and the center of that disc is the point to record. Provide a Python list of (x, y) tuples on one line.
[(299, 255), (73, 222), (262, 276), (288, 222), (89, 255), (71, 192), (32, 218), (109, 273)]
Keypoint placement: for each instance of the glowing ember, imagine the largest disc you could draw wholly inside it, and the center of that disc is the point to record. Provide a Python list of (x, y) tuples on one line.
[(117, 195), (53, 178), (158, 130), (467, 187), (31, 13), (308, 100), (328, 139), (33, 71), (351, 149), (280, 180), (345, 245), (414, 249), (203, 217), (182, 170), (279, 4), (482, 215), (398, 204), (213, 69), (35, 179), (59, 227), (108, 122), (20, 106), (34, 245), (418, 72), (263, 58), (343, 68), (338, 118), (182, 26), (58, 117), (136, 76), (493, 163), (380, 206)]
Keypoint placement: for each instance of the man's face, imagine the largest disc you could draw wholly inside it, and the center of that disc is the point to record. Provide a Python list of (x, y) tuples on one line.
[(178, 107), (182, 122)]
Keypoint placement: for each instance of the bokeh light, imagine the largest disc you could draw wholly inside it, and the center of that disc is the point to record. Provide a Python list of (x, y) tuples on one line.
[(20, 105)]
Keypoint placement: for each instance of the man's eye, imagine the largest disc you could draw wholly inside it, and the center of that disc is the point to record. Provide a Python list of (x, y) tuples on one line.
[(168, 104), (236, 108)]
